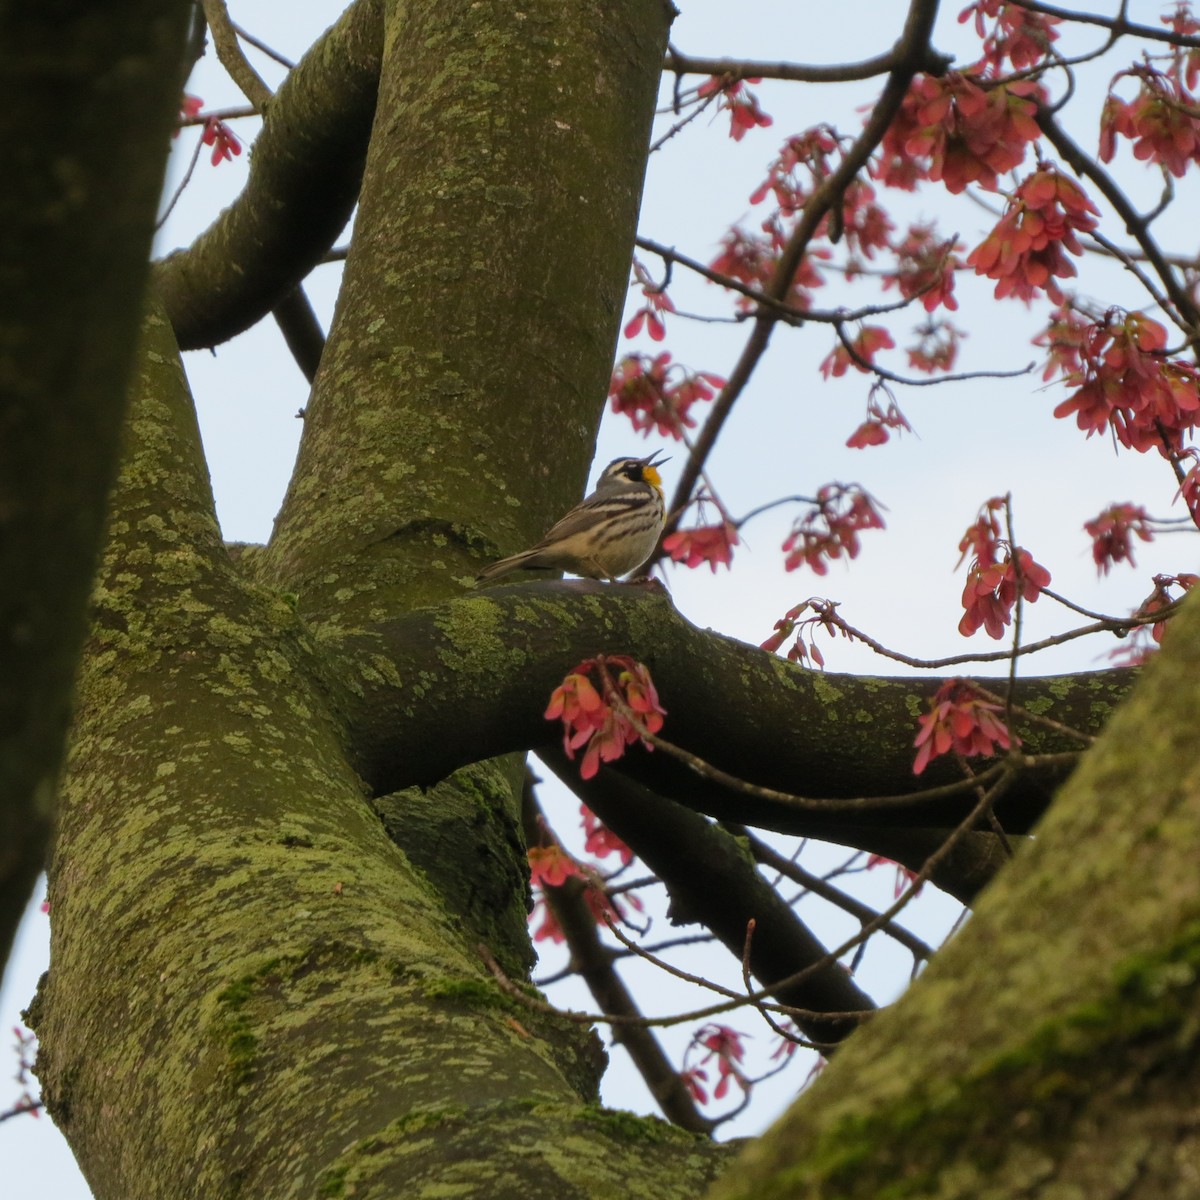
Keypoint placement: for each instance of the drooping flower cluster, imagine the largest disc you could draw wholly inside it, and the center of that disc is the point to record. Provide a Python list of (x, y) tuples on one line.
[(712, 544), (960, 720), (1144, 639), (222, 139), (651, 313), (1026, 252), (551, 866), (925, 267), (831, 528), (936, 347), (599, 840), (1112, 534), (1161, 597), (655, 393), (216, 133), (874, 431), (997, 575), (802, 161), (752, 259), (1064, 336), (865, 222), (1162, 121), (959, 128), (1125, 381), (603, 720), (723, 1047), (859, 353), (992, 590), (747, 258), (824, 616), (1016, 36), (736, 99)]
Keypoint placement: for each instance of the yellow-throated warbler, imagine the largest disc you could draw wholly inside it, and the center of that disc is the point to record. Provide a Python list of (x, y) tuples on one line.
[(610, 533)]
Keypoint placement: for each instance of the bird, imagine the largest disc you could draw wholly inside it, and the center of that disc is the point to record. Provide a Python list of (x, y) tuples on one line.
[(607, 534)]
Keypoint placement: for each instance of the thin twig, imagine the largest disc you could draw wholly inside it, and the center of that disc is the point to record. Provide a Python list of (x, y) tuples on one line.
[(258, 44), (809, 803), (187, 178), (891, 377), (1116, 625), (578, 1017), (814, 884), (762, 1012), (752, 997), (788, 313)]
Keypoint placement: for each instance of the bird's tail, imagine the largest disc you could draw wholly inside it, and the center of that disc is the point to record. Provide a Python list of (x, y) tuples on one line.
[(514, 562)]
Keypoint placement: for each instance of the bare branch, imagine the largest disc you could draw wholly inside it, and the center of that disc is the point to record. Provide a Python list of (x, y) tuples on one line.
[(732, 68), (258, 44), (688, 853), (768, 856), (302, 185), (593, 962), (1118, 24), (229, 52)]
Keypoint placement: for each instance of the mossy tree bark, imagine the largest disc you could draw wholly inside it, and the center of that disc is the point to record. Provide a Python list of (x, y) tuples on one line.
[(90, 93), (253, 990)]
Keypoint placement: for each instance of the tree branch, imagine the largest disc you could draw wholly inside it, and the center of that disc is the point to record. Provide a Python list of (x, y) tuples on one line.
[(592, 960), (301, 330), (1118, 24), (230, 55), (293, 314), (732, 68), (749, 713), (689, 854), (302, 185)]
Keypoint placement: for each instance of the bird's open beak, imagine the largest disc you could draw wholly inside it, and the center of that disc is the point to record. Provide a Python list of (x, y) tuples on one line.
[(654, 461)]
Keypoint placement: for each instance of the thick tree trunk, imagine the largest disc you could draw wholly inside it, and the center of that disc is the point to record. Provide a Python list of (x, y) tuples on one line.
[(252, 989), (90, 92)]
